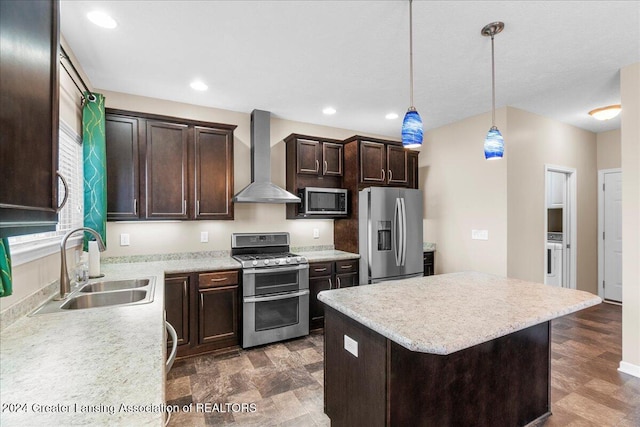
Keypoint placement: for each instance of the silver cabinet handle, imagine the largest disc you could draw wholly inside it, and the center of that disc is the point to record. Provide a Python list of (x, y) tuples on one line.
[(330, 283), (317, 165), (184, 288), (390, 175), (184, 206), (319, 270), (197, 207), (346, 266), (326, 166), (339, 284), (382, 174), (135, 206), (276, 297), (66, 191), (174, 346)]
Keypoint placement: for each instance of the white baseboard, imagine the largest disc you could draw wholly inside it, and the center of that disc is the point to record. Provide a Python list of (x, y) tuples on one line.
[(629, 368)]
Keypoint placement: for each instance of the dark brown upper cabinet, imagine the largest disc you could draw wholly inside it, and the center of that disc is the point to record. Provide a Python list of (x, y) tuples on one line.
[(168, 168), (312, 162), (29, 92), (213, 173), (383, 164), (316, 157)]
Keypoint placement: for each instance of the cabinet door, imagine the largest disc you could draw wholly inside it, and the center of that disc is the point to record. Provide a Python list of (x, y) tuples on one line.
[(332, 159), (176, 291), (346, 280), (218, 314), (372, 163), (412, 169), (396, 165), (308, 157), (316, 308), (122, 167), (29, 124), (213, 173), (166, 171)]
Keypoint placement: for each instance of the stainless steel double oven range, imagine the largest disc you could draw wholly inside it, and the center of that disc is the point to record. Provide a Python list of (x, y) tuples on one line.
[(275, 288)]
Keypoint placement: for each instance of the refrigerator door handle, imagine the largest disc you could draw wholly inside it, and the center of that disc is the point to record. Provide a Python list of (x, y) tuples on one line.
[(403, 208), (397, 238)]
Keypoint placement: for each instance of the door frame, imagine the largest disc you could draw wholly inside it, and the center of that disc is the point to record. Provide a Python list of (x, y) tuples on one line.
[(601, 174), (571, 203)]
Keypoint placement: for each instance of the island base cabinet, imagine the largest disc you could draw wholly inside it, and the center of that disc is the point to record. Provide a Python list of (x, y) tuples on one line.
[(502, 382)]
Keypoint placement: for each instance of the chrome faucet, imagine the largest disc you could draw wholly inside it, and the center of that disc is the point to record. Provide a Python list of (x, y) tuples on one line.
[(65, 282)]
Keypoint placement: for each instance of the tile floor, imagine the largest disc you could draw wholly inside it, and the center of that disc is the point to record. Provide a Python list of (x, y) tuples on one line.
[(284, 380)]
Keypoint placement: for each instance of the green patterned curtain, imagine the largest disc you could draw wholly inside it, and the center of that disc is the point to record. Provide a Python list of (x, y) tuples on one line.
[(5, 268), (95, 166)]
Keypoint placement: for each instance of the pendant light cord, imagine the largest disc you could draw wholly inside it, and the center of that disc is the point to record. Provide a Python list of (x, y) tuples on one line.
[(411, 50), (493, 87)]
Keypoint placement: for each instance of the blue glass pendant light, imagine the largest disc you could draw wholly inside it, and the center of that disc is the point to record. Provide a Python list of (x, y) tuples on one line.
[(412, 123), (494, 142)]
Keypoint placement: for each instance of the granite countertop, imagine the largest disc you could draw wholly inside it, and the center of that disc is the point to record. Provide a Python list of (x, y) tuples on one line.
[(446, 313), (85, 364), (428, 247), (328, 255)]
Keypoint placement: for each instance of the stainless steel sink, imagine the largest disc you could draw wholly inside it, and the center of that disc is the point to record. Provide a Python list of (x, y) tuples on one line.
[(106, 293), (114, 285), (103, 299)]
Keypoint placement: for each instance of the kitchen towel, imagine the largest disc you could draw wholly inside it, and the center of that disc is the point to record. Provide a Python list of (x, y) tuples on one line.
[(95, 166), (5, 268)]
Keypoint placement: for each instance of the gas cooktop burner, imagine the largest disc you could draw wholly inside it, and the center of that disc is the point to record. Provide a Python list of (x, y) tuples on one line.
[(264, 250), (270, 260)]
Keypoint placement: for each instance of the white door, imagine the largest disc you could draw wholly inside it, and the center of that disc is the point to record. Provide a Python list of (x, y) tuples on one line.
[(612, 237)]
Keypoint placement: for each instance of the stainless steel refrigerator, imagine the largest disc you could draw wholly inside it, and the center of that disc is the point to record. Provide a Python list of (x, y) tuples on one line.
[(390, 234)]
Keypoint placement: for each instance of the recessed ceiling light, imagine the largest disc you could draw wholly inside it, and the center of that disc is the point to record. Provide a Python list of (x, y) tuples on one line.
[(391, 116), (198, 85), (101, 19), (329, 111), (606, 113)]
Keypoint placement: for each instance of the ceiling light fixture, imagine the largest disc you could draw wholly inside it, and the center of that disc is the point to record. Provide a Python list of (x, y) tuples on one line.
[(101, 19), (412, 123), (494, 142), (606, 113), (391, 116), (198, 85), (329, 111)]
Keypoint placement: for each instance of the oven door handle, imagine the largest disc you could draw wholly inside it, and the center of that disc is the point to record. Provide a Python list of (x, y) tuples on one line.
[(276, 297), (275, 269)]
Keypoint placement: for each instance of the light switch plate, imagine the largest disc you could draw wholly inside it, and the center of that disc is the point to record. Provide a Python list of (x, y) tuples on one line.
[(316, 233), (480, 234), (204, 236), (124, 239), (351, 345)]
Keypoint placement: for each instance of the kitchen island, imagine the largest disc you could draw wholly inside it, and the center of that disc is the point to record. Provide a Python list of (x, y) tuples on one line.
[(454, 349)]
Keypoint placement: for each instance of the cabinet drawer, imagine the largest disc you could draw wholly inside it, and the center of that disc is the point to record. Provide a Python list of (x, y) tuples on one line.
[(348, 266), (318, 269), (221, 278)]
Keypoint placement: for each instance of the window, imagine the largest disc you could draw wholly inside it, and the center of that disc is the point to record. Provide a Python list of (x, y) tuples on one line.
[(32, 246)]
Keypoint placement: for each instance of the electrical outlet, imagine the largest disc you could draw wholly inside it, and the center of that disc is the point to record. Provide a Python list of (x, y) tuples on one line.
[(316, 233), (204, 236), (480, 234), (124, 239), (351, 345)]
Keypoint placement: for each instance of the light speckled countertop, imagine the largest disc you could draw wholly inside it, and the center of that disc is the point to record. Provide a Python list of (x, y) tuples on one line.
[(100, 358), (446, 313)]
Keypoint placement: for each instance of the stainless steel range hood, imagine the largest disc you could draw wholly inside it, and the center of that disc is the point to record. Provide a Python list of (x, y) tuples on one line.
[(261, 189)]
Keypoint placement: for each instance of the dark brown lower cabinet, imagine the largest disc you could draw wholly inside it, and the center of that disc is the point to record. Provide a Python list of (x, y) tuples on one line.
[(204, 308), (324, 276), (502, 382), (428, 260), (176, 291)]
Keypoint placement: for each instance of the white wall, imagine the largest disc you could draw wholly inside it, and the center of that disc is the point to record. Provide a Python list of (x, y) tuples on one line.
[(170, 237), (533, 142), (463, 191), (608, 145), (630, 132)]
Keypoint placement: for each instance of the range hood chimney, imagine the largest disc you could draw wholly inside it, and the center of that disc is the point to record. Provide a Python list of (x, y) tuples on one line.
[(261, 189)]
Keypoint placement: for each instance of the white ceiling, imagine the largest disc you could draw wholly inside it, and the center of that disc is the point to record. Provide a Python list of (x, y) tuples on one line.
[(558, 59)]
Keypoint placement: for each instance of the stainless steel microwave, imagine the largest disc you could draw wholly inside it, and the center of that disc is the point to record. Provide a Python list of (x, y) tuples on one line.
[(323, 201)]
